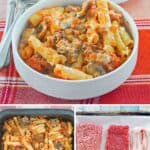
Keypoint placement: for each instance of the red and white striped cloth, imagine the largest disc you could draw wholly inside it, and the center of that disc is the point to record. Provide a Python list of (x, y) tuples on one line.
[(13, 90)]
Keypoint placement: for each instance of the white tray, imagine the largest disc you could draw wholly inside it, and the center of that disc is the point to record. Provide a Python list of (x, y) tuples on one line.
[(105, 121)]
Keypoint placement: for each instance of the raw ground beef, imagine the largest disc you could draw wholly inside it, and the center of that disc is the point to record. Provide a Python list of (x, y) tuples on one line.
[(88, 136), (117, 138)]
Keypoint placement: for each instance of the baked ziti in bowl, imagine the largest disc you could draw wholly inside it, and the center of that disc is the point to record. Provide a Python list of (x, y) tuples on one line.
[(75, 49)]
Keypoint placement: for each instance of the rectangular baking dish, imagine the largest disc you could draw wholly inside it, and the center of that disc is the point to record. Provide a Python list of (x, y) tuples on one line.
[(67, 115)]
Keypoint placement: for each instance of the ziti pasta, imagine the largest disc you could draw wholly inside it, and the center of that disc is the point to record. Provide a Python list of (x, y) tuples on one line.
[(37, 133), (76, 42)]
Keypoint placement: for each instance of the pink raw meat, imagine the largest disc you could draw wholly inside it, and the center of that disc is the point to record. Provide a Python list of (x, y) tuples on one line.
[(88, 136), (117, 138)]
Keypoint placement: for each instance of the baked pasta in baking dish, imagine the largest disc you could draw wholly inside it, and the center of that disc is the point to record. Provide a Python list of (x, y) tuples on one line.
[(76, 42), (37, 133)]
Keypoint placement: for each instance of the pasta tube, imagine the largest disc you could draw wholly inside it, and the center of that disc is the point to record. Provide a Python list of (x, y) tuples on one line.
[(122, 49), (64, 72), (92, 35), (85, 6), (125, 37), (35, 19), (79, 62), (109, 38), (103, 13), (51, 56), (109, 41), (27, 145)]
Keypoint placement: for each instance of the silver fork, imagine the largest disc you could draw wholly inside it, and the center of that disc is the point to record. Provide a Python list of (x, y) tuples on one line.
[(11, 7), (5, 43)]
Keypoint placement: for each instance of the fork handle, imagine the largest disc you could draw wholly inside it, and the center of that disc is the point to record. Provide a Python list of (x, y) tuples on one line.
[(5, 43), (10, 16)]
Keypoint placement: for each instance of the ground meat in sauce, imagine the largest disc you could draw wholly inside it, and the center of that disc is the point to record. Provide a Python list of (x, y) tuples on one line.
[(58, 146), (94, 69), (69, 49), (39, 64)]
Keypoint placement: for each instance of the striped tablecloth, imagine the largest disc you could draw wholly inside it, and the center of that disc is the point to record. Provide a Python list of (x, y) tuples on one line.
[(135, 90)]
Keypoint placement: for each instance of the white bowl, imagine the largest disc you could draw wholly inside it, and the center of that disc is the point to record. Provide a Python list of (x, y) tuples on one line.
[(119, 1), (67, 89)]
